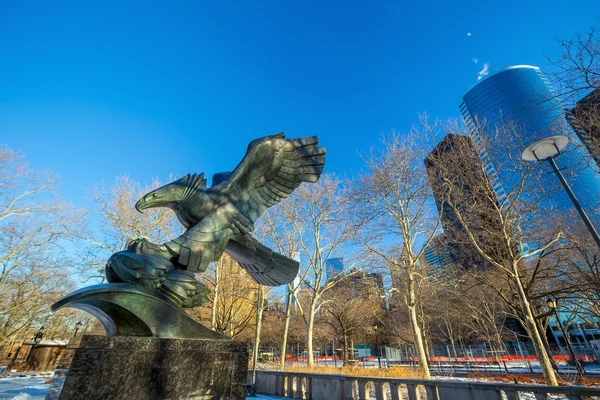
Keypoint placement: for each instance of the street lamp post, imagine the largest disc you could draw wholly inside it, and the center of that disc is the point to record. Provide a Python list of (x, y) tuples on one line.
[(547, 150), (552, 304), (376, 329), (39, 335), (77, 327), (37, 338), (255, 346)]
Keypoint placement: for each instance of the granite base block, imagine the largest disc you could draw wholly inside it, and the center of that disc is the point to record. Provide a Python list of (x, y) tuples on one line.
[(132, 368)]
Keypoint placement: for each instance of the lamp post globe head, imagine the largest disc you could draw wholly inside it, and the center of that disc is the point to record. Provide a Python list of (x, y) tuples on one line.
[(545, 148), (551, 303), (78, 325)]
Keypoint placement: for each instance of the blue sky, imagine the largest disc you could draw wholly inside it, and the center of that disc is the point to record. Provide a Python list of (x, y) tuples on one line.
[(94, 90)]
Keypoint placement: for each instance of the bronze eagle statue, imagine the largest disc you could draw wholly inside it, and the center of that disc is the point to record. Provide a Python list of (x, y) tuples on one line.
[(220, 219)]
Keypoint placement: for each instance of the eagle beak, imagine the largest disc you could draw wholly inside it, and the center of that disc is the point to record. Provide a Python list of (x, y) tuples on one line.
[(140, 205)]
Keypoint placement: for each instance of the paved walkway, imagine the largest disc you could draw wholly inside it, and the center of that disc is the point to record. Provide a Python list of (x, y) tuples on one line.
[(34, 388), (24, 388)]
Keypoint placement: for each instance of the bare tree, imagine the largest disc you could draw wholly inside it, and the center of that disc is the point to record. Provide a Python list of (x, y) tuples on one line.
[(395, 199), (323, 228), (485, 316), (450, 324), (112, 221), (583, 261), (576, 76), (351, 307), (273, 323), (33, 263), (577, 65), (260, 305), (513, 238), (279, 228), (28, 295), (232, 308)]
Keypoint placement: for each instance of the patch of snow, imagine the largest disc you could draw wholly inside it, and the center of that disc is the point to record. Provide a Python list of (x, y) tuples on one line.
[(24, 387)]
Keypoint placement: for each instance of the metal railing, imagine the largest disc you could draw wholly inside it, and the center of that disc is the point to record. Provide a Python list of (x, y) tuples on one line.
[(344, 387)]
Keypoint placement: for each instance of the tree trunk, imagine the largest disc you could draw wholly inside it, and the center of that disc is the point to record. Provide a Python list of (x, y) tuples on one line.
[(286, 327), (345, 351), (414, 321), (419, 343), (428, 346), (546, 344), (309, 334), (259, 311), (426, 338), (213, 313), (454, 349), (534, 334)]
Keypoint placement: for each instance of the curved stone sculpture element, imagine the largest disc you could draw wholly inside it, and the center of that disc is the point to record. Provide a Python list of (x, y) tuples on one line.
[(133, 310)]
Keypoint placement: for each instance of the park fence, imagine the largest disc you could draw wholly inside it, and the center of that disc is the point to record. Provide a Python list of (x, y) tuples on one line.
[(477, 358)]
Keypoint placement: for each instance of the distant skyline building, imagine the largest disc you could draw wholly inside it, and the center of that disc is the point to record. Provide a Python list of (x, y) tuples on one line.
[(376, 279), (334, 267), (522, 95), (365, 284), (585, 121), (456, 160)]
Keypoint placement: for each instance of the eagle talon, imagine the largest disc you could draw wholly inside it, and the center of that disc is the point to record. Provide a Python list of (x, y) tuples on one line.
[(184, 289), (143, 269)]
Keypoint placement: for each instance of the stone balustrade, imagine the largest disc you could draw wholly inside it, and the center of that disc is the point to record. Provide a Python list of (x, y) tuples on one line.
[(344, 387)]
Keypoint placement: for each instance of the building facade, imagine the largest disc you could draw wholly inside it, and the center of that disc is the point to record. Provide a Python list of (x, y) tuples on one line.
[(460, 184), (584, 118), (333, 267), (583, 335), (522, 96), (437, 255), (367, 285)]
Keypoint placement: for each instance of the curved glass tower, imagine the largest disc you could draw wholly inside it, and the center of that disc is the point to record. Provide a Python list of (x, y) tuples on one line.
[(522, 94)]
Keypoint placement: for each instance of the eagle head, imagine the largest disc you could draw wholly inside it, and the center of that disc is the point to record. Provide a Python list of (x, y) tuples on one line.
[(172, 194)]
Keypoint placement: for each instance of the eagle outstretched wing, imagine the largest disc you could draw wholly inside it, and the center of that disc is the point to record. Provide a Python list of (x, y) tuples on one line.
[(264, 265), (270, 171)]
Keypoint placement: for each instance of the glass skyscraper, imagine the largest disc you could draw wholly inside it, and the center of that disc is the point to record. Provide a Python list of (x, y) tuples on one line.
[(437, 255), (522, 94), (333, 267)]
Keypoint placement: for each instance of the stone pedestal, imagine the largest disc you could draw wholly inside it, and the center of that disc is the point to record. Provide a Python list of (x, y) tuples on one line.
[(131, 368), (67, 355)]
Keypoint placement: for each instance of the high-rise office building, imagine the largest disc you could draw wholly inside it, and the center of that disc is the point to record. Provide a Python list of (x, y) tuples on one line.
[(437, 255), (334, 267), (459, 182), (585, 121), (522, 95)]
